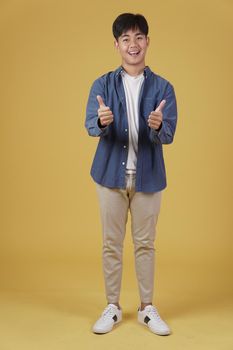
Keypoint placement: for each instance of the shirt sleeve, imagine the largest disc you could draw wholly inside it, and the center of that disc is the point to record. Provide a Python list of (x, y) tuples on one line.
[(166, 131), (91, 121)]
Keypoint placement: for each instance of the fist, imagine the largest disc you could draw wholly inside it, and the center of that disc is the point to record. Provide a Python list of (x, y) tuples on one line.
[(104, 113), (156, 117)]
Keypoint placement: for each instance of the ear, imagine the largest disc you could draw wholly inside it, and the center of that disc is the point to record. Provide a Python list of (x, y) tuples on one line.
[(148, 40), (116, 44)]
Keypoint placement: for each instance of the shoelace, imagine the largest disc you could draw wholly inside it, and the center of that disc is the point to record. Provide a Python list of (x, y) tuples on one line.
[(108, 312), (154, 314)]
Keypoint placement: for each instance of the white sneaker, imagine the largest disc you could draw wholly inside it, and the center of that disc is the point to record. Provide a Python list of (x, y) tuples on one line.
[(150, 318), (109, 317)]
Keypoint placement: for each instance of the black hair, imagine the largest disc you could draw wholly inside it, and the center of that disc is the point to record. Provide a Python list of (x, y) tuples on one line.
[(127, 21)]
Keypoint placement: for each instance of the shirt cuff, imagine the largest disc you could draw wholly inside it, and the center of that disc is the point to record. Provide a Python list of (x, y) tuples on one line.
[(102, 129), (156, 131), (160, 127), (99, 124)]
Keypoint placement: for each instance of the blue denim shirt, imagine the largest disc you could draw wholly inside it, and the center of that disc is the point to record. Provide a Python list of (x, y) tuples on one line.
[(109, 163)]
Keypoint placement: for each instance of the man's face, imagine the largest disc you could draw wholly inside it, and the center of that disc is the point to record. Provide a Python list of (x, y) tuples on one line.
[(132, 46)]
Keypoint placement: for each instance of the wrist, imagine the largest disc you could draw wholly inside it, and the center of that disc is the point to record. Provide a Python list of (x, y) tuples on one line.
[(159, 128), (99, 123)]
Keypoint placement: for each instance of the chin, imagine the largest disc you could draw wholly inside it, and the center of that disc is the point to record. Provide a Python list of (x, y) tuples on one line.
[(135, 62)]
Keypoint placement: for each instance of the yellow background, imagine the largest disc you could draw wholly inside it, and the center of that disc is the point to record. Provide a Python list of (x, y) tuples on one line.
[(52, 287)]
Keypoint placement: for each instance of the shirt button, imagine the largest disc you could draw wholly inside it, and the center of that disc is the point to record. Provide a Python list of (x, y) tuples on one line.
[(123, 163), (124, 146), (126, 130)]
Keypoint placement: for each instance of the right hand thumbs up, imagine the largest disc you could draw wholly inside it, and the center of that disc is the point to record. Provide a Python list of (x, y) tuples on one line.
[(104, 113)]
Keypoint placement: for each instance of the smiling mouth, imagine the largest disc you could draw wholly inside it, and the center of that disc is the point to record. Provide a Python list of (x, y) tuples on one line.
[(134, 53)]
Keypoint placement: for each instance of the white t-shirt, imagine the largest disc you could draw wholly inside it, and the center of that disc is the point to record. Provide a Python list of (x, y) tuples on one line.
[(132, 87)]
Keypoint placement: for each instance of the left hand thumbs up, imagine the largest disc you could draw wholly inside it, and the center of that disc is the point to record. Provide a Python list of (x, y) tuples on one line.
[(161, 105), (156, 117)]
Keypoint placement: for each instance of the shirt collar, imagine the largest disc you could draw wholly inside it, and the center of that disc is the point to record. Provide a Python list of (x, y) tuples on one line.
[(146, 72)]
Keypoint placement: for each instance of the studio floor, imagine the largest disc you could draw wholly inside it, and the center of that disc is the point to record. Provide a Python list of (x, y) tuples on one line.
[(53, 306)]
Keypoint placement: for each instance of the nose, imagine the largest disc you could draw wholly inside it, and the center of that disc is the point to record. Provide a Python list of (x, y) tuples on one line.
[(133, 43)]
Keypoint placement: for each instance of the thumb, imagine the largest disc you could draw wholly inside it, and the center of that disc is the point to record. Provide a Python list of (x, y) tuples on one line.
[(100, 100), (160, 107)]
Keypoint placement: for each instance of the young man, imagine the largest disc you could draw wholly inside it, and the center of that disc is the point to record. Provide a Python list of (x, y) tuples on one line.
[(133, 111)]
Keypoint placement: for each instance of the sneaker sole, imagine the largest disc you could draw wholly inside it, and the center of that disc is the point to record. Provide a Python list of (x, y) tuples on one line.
[(96, 331), (158, 333)]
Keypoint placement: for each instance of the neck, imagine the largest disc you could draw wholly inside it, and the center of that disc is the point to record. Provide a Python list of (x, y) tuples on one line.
[(133, 70)]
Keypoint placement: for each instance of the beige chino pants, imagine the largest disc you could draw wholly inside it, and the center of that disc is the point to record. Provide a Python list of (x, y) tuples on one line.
[(144, 209)]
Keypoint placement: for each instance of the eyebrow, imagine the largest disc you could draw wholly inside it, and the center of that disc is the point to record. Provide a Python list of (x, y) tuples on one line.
[(123, 35)]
